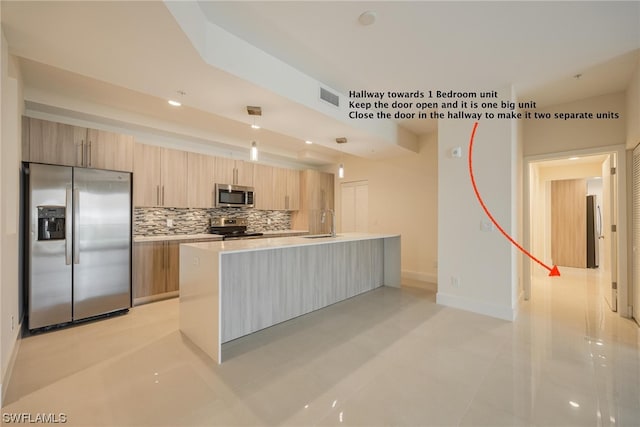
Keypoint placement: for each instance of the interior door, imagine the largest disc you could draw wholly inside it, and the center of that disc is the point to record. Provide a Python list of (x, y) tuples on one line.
[(355, 206), (569, 223), (609, 215)]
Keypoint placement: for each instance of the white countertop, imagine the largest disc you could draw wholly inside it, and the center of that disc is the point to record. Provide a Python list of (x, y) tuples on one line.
[(231, 246), (208, 236)]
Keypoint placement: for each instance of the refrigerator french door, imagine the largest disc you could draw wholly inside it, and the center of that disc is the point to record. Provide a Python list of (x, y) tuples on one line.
[(79, 263)]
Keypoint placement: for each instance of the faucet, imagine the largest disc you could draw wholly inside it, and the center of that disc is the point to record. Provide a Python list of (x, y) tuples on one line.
[(333, 220)]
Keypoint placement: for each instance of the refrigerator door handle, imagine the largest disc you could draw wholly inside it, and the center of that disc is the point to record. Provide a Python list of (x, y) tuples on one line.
[(76, 226), (68, 247)]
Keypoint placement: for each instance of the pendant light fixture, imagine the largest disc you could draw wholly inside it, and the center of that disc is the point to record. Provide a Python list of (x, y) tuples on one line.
[(254, 152), (254, 111), (340, 141)]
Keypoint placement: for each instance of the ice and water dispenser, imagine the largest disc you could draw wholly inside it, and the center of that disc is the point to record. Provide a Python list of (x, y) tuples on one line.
[(51, 222)]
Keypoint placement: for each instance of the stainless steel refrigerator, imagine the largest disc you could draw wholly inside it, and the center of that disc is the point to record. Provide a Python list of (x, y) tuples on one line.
[(78, 242)]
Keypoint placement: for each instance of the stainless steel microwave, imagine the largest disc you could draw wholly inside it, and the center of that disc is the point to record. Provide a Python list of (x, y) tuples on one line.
[(233, 196)]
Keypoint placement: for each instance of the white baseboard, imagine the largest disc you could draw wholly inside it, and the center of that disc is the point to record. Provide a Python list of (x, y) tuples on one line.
[(418, 275), (455, 301)]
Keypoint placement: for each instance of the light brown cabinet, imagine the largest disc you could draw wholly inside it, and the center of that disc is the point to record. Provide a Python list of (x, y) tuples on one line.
[(230, 171), (286, 189), (263, 178), (109, 150), (55, 143), (200, 180), (155, 269), (159, 176), (68, 145), (276, 188), (316, 195)]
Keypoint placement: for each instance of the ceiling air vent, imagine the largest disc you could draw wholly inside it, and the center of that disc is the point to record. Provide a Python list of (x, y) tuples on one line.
[(329, 97)]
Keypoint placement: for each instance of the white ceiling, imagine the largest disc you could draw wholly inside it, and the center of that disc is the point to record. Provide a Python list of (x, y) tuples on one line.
[(131, 56)]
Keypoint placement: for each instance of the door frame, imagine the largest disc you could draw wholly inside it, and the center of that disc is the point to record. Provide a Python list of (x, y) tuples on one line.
[(621, 221)]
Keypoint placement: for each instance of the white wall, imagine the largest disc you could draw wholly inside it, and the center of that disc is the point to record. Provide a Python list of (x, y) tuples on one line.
[(10, 156), (554, 136), (402, 199), (633, 109), (485, 263)]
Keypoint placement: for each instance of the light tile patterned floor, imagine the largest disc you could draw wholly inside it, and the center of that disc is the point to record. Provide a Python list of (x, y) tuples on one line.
[(389, 357)]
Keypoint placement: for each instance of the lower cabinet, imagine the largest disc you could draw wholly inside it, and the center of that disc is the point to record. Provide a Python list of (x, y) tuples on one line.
[(155, 270)]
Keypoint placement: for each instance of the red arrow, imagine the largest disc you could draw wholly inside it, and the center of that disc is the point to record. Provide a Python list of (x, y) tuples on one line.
[(553, 271)]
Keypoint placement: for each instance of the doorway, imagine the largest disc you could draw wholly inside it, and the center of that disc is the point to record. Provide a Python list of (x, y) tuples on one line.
[(594, 169)]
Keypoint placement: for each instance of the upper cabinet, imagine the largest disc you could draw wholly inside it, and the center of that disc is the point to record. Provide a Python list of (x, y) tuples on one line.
[(286, 189), (230, 171), (55, 143), (200, 180), (62, 144), (159, 176), (263, 178), (276, 188), (165, 177), (316, 195), (109, 150)]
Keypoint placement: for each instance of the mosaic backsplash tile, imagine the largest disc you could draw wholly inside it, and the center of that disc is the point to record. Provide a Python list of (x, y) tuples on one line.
[(153, 221)]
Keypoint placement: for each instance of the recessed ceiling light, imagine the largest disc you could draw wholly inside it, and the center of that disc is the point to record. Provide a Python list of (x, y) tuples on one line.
[(308, 142), (574, 158), (174, 103), (255, 126), (367, 18)]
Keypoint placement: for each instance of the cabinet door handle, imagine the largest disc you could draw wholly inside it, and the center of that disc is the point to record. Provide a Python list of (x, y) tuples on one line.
[(82, 153), (163, 195), (89, 154), (286, 202), (157, 195)]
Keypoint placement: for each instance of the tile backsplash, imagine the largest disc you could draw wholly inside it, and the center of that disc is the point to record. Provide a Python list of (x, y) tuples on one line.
[(153, 221)]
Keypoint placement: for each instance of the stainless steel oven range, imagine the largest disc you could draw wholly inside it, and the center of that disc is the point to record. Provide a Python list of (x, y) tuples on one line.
[(231, 228)]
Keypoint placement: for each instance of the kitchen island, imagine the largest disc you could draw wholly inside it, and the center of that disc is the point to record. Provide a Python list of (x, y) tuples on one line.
[(233, 288)]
